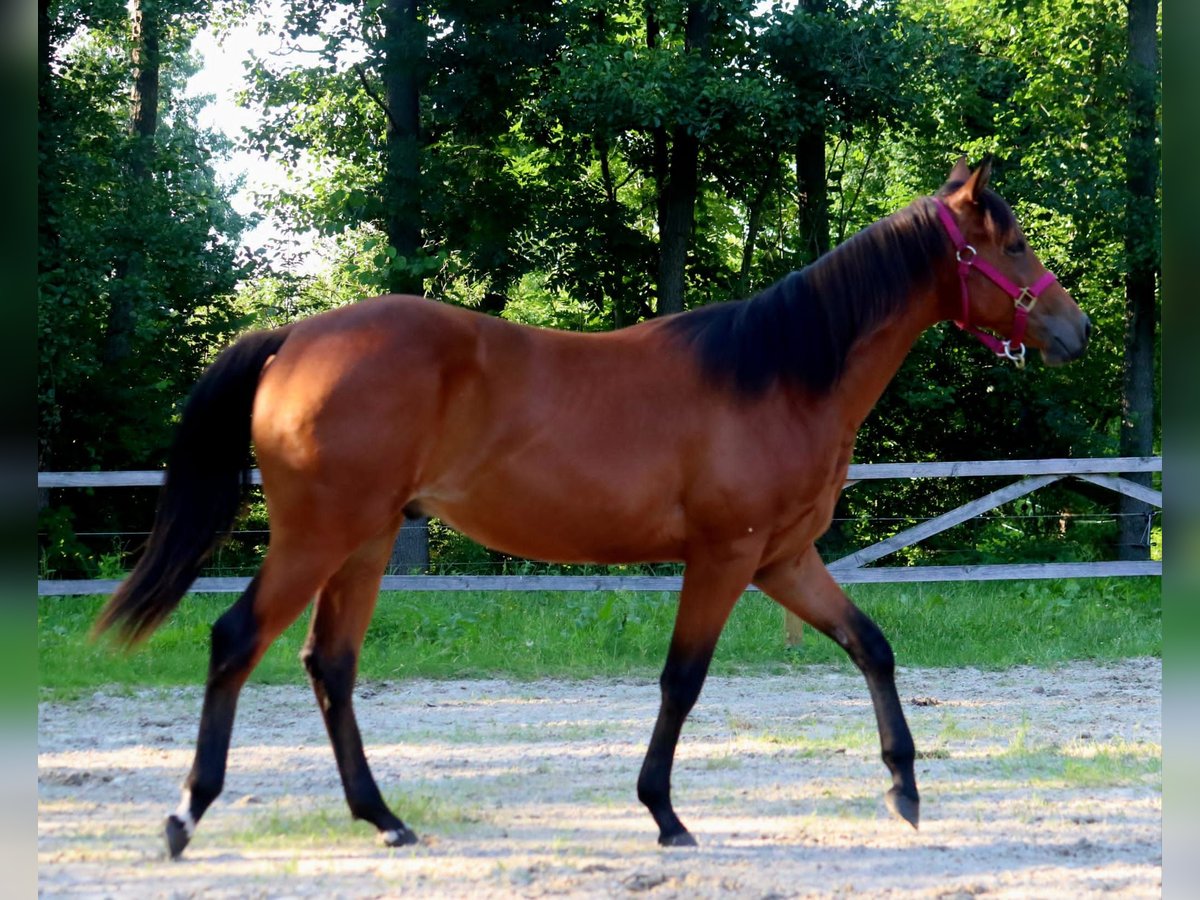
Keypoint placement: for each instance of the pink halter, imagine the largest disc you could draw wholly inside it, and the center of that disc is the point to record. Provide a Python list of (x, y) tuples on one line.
[(1023, 298)]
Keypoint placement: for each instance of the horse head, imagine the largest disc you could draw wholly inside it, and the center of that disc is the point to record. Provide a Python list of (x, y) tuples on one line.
[(1001, 284)]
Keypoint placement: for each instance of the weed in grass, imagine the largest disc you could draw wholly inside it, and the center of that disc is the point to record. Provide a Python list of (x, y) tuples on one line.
[(854, 806), (951, 730), (599, 797), (739, 724), (725, 761), (934, 753), (1018, 744), (552, 732), (807, 745)]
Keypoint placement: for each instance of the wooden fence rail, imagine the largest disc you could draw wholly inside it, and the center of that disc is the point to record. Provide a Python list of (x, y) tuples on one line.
[(1035, 474)]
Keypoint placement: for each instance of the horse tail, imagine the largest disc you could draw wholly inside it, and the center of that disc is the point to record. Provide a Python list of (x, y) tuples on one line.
[(208, 473)]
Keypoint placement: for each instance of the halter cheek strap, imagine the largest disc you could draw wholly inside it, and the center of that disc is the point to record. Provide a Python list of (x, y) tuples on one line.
[(1023, 298)]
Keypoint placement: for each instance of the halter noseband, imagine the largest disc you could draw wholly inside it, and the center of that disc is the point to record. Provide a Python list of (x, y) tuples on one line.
[(1023, 298)]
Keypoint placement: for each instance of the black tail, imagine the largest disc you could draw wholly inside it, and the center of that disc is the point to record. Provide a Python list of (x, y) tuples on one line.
[(208, 472)]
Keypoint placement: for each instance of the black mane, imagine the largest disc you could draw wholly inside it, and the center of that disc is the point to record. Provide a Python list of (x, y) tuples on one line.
[(800, 330)]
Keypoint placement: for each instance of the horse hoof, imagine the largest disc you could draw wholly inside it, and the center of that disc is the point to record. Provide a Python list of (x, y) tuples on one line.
[(398, 837), (907, 808), (177, 836), (682, 839)]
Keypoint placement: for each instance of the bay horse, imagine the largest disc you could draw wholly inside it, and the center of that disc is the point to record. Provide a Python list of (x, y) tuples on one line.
[(718, 437)]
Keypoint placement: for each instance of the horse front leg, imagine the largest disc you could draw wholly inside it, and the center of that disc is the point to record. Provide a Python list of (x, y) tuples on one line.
[(804, 586), (710, 589)]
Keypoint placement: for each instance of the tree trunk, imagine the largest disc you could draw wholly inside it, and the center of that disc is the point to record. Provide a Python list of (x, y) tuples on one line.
[(403, 57), (1141, 250), (410, 553), (146, 24), (660, 160), (403, 53), (145, 28), (47, 128), (48, 204), (677, 191), (814, 195), (612, 222), (753, 228)]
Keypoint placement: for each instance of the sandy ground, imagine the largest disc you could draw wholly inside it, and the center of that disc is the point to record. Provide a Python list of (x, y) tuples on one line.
[(1035, 783)]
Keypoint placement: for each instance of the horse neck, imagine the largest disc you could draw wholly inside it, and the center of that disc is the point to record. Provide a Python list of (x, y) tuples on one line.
[(878, 355)]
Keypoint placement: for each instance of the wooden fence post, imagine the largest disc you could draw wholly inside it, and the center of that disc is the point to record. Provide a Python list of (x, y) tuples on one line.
[(793, 629)]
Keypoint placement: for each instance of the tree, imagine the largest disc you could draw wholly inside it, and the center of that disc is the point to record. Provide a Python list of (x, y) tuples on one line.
[(403, 54), (677, 171), (1138, 405), (145, 58), (138, 252)]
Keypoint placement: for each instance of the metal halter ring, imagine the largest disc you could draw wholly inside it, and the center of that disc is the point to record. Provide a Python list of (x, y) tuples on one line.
[(1018, 358), (964, 248), (1025, 300)]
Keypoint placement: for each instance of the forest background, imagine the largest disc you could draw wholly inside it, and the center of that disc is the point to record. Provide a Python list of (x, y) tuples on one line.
[(587, 165)]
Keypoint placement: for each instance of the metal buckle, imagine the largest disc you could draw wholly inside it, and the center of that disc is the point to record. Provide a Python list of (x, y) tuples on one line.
[(1025, 295), (959, 254), (1018, 358)]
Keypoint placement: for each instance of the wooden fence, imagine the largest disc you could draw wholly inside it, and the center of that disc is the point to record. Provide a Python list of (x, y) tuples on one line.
[(1033, 474)]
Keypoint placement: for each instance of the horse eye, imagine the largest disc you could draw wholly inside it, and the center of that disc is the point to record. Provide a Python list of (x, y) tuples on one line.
[(1016, 248)]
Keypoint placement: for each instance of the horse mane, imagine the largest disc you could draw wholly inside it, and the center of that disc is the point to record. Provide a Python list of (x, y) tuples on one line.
[(801, 330)]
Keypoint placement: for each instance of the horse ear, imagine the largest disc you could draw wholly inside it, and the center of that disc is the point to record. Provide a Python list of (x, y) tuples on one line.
[(978, 180), (961, 171)]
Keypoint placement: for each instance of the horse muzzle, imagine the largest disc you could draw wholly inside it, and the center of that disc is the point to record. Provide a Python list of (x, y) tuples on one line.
[(1062, 341)]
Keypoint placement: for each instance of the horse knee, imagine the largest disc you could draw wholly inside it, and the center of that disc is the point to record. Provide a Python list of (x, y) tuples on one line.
[(867, 646), (332, 674), (311, 662), (878, 653), (681, 682)]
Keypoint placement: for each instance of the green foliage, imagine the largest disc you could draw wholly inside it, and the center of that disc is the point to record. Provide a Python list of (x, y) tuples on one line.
[(165, 245), (59, 547), (138, 261)]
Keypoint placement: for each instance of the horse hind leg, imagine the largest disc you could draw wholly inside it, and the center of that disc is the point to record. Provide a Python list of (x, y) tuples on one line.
[(339, 624), (240, 637), (805, 587)]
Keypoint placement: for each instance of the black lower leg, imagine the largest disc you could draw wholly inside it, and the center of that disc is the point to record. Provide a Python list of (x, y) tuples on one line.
[(872, 653), (235, 640), (682, 679), (333, 683)]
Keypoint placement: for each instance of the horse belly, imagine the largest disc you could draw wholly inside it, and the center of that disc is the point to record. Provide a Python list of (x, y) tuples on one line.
[(568, 520)]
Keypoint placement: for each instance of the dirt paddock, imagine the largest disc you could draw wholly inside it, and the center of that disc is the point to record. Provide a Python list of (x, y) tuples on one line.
[(1035, 783)]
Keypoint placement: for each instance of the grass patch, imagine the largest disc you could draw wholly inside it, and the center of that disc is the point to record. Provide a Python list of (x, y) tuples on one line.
[(806, 744), (333, 826), (578, 635), (1116, 764)]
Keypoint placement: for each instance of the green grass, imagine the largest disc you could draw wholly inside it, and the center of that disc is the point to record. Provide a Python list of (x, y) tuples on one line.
[(332, 825), (1113, 764), (575, 635)]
